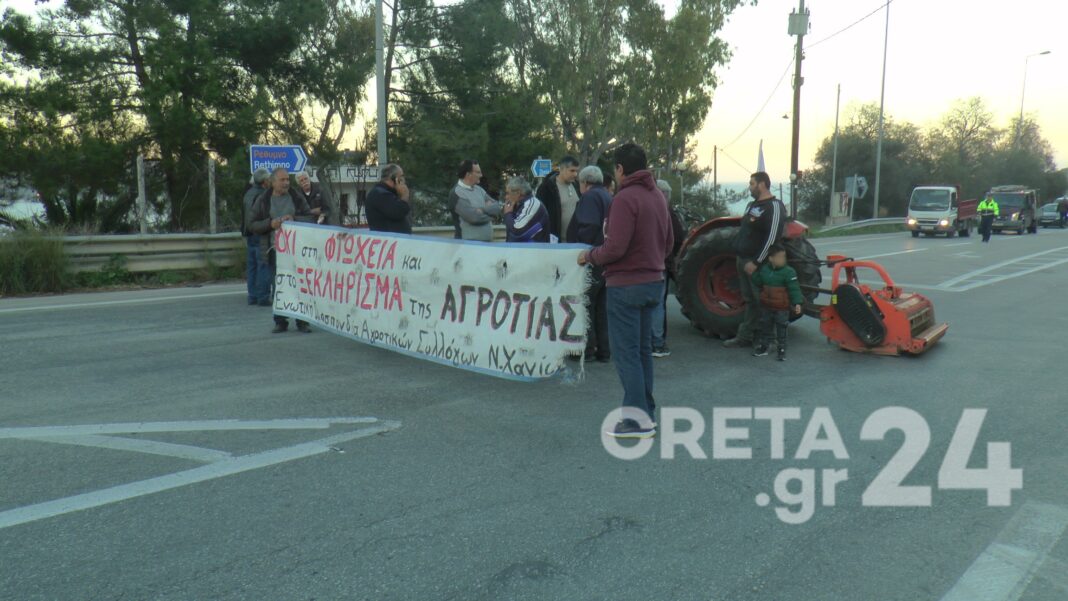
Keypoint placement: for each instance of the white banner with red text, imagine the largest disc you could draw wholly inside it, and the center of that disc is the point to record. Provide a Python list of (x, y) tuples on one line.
[(509, 310)]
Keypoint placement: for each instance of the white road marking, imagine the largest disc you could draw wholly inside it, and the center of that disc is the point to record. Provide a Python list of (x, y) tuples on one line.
[(1005, 569), (954, 283), (1002, 278), (314, 423), (900, 252), (219, 469), (958, 244), (132, 301), (151, 447)]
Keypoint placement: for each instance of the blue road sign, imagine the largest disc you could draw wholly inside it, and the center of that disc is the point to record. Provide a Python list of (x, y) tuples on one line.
[(273, 157), (541, 167)]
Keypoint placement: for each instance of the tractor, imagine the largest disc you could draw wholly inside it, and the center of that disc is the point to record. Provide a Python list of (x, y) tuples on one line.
[(880, 320)]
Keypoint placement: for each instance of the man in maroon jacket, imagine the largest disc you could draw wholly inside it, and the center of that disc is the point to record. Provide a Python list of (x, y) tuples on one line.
[(637, 239)]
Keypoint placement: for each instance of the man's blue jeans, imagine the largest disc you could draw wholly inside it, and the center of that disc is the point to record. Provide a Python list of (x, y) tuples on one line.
[(630, 334), (660, 318), (257, 272)]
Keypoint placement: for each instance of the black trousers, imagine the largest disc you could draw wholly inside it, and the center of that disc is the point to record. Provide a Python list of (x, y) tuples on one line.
[(986, 227), (769, 319), (597, 301)]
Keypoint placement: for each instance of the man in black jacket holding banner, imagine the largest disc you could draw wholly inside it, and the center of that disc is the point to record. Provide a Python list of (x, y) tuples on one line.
[(762, 226)]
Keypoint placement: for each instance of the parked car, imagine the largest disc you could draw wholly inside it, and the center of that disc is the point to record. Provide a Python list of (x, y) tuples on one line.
[(1049, 215)]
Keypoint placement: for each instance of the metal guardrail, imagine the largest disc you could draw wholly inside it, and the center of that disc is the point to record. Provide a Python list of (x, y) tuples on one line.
[(173, 252), (864, 222)]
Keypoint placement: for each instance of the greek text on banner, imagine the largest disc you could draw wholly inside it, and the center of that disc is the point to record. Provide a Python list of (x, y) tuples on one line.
[(510, 310)]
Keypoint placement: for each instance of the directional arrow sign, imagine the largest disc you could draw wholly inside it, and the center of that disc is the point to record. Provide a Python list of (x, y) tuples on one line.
[(292, 158), (541, 167)]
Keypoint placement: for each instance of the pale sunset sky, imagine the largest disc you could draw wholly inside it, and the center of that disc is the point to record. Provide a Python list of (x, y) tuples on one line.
[(939, 51)]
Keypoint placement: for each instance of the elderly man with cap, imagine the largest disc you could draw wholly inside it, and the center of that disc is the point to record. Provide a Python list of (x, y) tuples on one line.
[(257, 271)]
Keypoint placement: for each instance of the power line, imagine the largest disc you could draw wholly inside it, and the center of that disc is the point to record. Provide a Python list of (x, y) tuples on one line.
[(763, 106), (852, 25), (786, 71), (734, 160)]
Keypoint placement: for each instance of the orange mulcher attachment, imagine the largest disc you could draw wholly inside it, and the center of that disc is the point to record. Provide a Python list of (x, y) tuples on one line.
[(884, 321)]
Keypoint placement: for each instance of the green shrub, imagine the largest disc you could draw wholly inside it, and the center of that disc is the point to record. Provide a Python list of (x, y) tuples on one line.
[(32, 262), (113, 273)]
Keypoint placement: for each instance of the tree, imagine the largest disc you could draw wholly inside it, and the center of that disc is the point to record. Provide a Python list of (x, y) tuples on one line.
[(965, 148), (904, 164), (458, 102), (180, 82), (962, 144), (618, 70)]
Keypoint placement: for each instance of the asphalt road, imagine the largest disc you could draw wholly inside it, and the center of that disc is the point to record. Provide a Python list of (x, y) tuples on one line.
[(475, 488)]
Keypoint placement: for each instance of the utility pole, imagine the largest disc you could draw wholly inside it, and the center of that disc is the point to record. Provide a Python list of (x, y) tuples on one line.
[(882, 104), (715, 177), (798, 27), (834, 162), (380, 76)]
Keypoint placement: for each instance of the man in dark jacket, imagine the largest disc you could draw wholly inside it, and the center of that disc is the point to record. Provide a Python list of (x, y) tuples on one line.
[(678, 232), (525, 218), (271, 209), (587, 227), (559, 192), (313, 195), (387, 206), (257, 271), (762, 226), (637, 239)]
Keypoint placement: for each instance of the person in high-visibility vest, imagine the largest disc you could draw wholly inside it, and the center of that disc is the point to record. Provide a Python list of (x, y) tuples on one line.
[(988, 210)]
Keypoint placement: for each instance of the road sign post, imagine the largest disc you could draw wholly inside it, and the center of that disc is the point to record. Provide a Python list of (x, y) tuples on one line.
[(290, 157)]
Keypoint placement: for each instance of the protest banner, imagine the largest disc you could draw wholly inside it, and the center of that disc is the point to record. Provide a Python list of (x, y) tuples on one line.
[(509, 310)]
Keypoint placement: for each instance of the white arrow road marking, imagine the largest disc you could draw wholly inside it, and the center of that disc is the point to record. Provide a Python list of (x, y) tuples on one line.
[(222, 463), (313, 423), (150, 447)]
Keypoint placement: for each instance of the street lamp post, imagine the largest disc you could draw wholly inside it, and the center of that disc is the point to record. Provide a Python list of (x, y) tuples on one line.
[(380, 84), (1023, 92)]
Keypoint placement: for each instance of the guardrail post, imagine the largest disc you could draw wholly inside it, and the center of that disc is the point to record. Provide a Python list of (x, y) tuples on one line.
[(212, 219)]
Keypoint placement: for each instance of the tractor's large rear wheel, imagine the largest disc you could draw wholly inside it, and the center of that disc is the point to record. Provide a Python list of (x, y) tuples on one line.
[(801, 255), (707, 282)]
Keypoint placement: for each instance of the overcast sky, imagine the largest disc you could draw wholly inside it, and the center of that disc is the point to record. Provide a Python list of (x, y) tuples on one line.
[(939, 51)]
